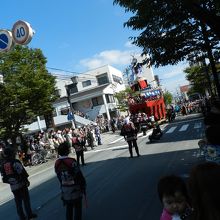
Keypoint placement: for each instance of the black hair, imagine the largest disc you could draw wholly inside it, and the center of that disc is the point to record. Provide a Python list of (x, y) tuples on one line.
[(8, 153), (212, 134), (63, 149), (204, 182), (169, 185)]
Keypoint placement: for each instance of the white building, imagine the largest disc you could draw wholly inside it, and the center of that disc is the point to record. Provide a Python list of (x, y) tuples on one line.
[(90, 93)]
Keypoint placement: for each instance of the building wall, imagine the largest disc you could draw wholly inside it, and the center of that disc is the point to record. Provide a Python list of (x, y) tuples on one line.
[(115, 78), (60, 85), (91, 75)]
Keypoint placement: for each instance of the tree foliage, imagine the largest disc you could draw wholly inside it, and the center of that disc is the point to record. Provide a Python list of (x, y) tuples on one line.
[(27, 91), (209, 16), (199, 78), (122, 98), (169, 33), (168, 97)]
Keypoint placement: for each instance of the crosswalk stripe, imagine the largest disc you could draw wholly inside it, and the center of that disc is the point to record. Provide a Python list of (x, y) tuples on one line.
[(184, 127), (171, 130), (198, 125)]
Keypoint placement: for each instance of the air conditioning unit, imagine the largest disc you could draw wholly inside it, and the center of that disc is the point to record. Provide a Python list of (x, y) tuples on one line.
[(75, 79)]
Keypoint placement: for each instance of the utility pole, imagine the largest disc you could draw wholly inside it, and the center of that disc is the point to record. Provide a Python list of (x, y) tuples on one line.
[(70, 115)]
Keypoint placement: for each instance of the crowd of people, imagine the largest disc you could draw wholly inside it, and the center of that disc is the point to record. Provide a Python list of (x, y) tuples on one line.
[(81, 114), (67, 169), (79, 139), (196, 198)]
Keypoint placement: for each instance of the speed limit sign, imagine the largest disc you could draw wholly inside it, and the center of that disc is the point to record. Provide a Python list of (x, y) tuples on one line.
[(22, 32)]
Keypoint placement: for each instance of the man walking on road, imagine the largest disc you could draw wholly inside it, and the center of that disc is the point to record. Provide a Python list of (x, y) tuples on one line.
[(130, 134), (14, 173), (72, 181)]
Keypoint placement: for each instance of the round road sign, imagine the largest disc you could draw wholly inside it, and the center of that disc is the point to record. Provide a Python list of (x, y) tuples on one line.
[(6, 40), (22, 32)]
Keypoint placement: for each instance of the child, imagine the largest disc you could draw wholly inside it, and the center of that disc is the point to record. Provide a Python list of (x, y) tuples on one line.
[(174, 197)]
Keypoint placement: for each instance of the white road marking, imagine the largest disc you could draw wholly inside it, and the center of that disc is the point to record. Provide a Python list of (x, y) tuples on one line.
[(171, 130), (105, 149), (119, 139), (184, 127), (122, 138), (198, 125)]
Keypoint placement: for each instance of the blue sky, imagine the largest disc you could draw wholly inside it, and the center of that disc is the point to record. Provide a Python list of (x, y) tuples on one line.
[(82, 35)]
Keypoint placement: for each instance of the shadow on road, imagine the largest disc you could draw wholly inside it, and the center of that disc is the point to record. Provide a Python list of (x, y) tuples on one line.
[(118, 188)]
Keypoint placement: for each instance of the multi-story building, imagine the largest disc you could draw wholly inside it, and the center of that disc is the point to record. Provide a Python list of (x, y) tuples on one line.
[(90, 93)]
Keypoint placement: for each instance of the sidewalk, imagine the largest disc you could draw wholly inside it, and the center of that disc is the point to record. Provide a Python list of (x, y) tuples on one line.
[(106, 137)]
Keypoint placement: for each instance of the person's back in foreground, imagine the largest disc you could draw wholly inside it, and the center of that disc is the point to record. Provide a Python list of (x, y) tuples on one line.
[(204, 189), (72, 181), (14, 173)]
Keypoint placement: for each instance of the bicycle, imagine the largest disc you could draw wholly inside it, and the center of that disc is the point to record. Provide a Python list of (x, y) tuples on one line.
[(38, 157)]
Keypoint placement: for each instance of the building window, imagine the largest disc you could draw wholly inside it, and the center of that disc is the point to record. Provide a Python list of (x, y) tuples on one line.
[(58, 92), (109, 98), (72, 88), (97, 101), (117, 79), (64, 111), (102, 79), (86, 83)]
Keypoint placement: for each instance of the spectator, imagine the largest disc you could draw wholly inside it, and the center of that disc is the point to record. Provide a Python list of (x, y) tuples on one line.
[(213, 116), (204, 182), (91, 138), (72, 181), (14, 173), (173, 195), (78, 146), (98, 135)]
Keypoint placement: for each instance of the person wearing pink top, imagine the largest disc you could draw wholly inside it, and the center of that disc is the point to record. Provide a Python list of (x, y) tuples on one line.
[(173, 195)]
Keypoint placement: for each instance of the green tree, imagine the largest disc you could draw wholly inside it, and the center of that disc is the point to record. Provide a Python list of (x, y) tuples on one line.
[(209, 16), (168, 97), (198, 78), (169, 33), (28, 89), (122, 98)]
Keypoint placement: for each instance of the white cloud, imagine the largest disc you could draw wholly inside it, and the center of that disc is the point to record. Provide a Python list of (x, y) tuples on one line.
[(173, 84), (128, 44), (171, 76), (174, 71), (111, 57)]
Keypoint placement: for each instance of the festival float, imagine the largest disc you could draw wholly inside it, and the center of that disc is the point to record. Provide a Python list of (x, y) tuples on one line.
[(148, 98)]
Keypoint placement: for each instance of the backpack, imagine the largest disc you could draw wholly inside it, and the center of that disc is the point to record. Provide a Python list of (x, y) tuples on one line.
[(65, 171), (71, 179), (9, 174)]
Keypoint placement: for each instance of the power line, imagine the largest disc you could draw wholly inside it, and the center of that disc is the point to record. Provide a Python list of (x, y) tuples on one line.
[(52, 68), (67, 77), (76, 73)]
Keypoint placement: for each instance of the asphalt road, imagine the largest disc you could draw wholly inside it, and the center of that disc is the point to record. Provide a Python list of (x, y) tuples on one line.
[(118, 187)]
